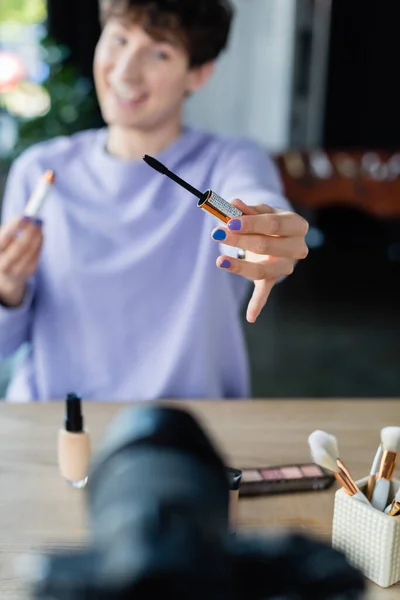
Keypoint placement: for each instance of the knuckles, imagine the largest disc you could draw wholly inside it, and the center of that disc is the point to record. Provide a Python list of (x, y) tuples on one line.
[(289, 268), (263, 245), (275, 224), (304, 226), (303, 253)]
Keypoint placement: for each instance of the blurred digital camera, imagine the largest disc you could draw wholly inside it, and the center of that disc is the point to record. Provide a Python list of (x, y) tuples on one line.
[(158, 504)]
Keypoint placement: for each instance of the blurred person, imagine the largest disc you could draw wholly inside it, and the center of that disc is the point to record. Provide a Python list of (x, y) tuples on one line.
[(124, 290)]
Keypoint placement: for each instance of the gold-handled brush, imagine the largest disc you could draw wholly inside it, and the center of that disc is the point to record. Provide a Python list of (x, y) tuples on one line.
[(390, 438), (394, 508), (325, 453)]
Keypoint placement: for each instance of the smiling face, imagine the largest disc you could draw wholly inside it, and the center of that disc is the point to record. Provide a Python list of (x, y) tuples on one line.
[(142, 82)]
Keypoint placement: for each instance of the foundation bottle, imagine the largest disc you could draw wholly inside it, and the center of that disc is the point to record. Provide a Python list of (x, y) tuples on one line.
[(74, 444)]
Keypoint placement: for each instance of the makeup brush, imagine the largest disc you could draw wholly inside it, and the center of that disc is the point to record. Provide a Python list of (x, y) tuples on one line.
[(325, 453), (373, 472), (394, 508), (390, 438), (208, 200)]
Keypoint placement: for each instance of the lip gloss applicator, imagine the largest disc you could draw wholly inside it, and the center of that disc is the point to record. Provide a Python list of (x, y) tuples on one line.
[(208, 200), (39, 194)]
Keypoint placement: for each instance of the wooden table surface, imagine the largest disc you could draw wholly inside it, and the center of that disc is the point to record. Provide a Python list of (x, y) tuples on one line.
[(39, 511)]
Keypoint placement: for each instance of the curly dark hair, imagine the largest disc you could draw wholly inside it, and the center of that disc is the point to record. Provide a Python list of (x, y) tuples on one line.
[(202, 26)]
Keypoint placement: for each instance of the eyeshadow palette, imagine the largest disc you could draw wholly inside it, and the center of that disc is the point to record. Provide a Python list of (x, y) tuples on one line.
[(283, 479), (234, 478)]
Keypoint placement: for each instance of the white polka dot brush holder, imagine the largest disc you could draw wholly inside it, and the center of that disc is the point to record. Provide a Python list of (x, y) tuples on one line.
[(369, 538)]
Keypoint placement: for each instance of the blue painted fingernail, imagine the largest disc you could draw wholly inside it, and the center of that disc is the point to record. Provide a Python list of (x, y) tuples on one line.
[(225, 264), (219, 235), (36, 221), (235, 225)]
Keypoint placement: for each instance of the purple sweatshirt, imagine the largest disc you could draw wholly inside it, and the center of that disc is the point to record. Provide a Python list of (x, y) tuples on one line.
[(127, 303)]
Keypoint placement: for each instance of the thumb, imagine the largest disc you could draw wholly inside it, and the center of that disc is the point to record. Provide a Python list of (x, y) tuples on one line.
[(246, 210)]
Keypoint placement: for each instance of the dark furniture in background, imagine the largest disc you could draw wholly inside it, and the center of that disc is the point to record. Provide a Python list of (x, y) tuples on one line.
[(336, 321), (363, 98), (332, 328)]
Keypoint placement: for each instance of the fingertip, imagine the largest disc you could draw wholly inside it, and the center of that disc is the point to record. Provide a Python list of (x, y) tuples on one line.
[(218, 234), (240, 204), (235, 225), (245, 208), (251, 315), (223, 263), (34, 220), (10, 228)]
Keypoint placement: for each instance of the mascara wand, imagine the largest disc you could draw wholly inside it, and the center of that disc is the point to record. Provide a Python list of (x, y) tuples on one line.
[(208, 200)]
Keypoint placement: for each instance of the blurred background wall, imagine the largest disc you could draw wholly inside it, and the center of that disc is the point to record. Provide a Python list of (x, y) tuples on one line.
[(314, 81)]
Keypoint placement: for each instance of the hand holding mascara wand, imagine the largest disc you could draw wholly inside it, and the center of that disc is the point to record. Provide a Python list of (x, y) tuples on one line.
[(273, 239), (325, 453)]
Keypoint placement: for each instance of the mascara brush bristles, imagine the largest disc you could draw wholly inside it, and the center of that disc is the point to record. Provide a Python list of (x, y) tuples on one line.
[(158, 166)]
